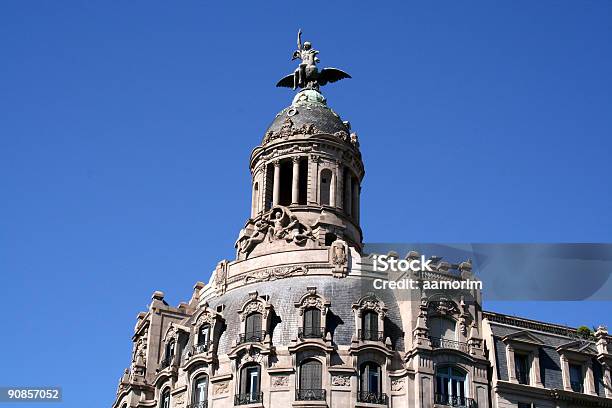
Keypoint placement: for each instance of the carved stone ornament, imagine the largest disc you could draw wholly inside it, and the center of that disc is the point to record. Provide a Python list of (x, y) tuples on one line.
[(338, 257), (312, 301), (221, 388), (397, 384), (371, 303), (221, 275), (270, 274), (278, 224), (179, 400), (443, 307), (205, 317), (341, 380), (280, 381), (253, 306), (289, 129)]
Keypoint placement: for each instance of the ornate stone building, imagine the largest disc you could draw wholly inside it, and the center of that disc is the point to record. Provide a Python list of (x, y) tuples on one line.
[(294, 320)]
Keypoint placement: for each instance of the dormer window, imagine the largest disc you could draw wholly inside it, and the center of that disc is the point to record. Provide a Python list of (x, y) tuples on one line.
[(521, 364), (203, 338), (253, 331), (576, 377), (370, 330), (312, 324)]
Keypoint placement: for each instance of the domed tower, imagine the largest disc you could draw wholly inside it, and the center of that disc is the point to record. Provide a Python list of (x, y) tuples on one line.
[(306, 178)]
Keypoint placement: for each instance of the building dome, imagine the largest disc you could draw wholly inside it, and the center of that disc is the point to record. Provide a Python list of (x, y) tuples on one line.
[(308, 111)]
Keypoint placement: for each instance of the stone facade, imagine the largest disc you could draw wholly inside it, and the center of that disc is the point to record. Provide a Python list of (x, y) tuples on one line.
[(294, 319)]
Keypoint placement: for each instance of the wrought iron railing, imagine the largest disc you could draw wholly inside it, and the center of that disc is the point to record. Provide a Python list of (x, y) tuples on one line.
[(202, 404), (371, 335), (441, 343), (309, 395), (250, 398), (373, 398), (252, 337), (454, 401), (311, 332), (577, 386), (200, 348)]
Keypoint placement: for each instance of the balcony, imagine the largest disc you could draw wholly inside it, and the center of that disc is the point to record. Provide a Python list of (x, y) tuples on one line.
[(203, 404), (371, 335), (311, 332), (252, 337), (440, 343), (310, 395), (200, 348), (372, 398), (454, 401), (251, 398)]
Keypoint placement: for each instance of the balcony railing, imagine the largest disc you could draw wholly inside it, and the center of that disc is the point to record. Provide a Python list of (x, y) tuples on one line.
[(203, 404), (311, 332), (372, 398), (310, 395), (251, 398), (577, 386), (371, 335), (200, 348), (454, 401), (440, 343), (252, 337)]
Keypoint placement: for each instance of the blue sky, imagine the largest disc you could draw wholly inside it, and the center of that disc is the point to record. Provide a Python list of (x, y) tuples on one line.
[(126, 127)]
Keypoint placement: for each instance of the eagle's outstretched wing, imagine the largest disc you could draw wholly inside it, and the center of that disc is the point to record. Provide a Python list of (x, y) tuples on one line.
[(286, 82), (331, 75)]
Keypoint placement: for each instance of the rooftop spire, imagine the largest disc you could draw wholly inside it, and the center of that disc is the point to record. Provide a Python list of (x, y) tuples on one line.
[(307, 74)]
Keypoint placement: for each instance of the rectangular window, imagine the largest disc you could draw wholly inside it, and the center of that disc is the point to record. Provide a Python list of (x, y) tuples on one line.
[(521, 364), (576, 378)]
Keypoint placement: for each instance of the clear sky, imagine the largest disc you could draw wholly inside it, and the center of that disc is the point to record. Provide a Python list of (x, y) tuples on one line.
[(126, 128)]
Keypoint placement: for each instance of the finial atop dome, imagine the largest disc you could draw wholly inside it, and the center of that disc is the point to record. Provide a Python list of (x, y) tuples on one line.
[(307, 74)]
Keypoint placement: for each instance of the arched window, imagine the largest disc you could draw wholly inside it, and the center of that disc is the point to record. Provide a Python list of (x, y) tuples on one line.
[(203, 338), (325, 187), (170, 351), (164, 402), (255, 203), (253, 330), (312, 323), (370, 329), (370, 384), (200, 392), (442, 328), (450, 387), (311, 388), (250, 385)]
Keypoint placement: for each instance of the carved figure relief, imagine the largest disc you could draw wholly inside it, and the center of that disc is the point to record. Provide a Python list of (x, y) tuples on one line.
[(338, 257), (289, 129), (179, 400), (341, 380), (280, 381), (397, 384), (279, 224), (221, 388)]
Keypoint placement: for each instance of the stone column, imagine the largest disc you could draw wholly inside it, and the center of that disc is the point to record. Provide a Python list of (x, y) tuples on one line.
[(589, 378), (295, 184), (511, 368), (348, 193), (332, 190), (339, 181), (565, 373), (607, 379), (276, 191)]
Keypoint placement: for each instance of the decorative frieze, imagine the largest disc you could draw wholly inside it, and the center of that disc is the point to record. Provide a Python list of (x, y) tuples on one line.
[(341, 380)]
